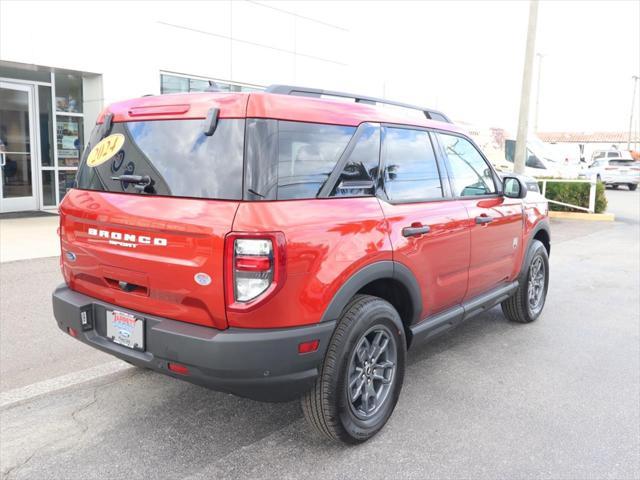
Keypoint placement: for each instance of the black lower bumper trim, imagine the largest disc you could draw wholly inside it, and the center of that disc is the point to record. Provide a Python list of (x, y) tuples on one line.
[(259, 364)]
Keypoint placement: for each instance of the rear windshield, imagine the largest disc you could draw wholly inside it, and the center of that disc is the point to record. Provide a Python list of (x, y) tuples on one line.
[(175, 155)]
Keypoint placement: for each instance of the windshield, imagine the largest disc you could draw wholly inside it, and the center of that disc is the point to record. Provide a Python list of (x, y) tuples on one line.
[(166, 157)]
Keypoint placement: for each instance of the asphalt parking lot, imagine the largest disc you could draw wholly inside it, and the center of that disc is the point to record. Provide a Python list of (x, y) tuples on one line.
[(559, 398)]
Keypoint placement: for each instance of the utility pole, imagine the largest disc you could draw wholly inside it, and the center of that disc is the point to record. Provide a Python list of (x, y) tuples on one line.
[(540, 57), (635, 79), (525, 94)]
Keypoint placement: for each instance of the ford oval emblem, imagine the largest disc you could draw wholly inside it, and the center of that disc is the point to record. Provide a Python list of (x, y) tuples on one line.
[(202, 279), (71, 256)]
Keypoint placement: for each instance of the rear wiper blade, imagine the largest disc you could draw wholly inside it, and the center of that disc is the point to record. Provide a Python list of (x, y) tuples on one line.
[(142, 183)]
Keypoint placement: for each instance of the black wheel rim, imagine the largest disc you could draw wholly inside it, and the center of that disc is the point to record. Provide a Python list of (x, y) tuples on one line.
[(536, 287), (372, 371)]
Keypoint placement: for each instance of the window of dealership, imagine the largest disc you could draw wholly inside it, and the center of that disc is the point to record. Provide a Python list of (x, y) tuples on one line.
[(171, 82), (45, 116), (41, 134)]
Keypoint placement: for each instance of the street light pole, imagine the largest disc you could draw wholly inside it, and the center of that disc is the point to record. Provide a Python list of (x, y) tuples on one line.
[(635, 79), (525, 95), (540, 57)]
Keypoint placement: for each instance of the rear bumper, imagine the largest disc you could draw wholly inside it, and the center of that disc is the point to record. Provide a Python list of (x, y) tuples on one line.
[(620, 179), (259, 364)]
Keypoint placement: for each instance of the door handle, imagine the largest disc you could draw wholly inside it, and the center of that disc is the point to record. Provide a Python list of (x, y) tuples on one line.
[(412, 231), (3, 159), (483, 219)]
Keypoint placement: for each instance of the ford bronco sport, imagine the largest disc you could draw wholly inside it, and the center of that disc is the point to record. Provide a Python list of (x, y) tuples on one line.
[(289, 244)]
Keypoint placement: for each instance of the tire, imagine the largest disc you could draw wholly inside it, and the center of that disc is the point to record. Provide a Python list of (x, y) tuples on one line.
[(523, 306), (632, 186), (331, 406)]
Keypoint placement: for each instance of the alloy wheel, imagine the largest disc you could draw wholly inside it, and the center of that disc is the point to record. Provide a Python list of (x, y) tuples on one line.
[(536, 286), (371, 373)]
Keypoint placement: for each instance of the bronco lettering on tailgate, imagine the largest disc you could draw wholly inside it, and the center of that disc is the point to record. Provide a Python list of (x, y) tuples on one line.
[(128, 240)]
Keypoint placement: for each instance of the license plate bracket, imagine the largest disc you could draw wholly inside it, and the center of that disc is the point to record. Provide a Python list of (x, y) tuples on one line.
[(125, 329)]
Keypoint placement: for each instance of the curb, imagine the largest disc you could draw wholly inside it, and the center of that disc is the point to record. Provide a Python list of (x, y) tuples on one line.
[(598, 217)]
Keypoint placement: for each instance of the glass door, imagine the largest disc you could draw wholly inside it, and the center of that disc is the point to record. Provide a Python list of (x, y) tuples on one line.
[(17, 136)]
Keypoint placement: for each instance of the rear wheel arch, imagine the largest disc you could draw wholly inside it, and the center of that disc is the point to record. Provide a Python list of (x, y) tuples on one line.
[(389, 280)]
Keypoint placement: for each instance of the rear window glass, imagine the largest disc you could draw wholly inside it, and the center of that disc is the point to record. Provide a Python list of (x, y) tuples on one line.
[(307, 153), (291, 160), (176, 155)]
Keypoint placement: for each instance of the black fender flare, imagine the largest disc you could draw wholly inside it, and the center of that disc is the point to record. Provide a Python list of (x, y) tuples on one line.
[(375, 271), (541, 225)]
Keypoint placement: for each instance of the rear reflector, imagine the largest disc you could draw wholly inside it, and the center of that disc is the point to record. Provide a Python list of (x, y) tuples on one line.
[(72, 331), (308, 347), (178, 368)]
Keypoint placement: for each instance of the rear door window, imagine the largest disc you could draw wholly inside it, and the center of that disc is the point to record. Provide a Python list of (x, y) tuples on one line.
[(176, 155), (471, 173), (410, 167)]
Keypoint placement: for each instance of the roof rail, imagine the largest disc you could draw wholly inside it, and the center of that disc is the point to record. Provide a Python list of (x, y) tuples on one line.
[(430, 113)]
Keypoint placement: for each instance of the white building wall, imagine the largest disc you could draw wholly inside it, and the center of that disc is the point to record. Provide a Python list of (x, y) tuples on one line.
[(130, 43)]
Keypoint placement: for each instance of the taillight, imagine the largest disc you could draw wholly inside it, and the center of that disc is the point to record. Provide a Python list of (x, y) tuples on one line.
[(254, 268)]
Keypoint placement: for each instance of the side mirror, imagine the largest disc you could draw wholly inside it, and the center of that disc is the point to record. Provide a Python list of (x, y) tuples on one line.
[(513, 187)]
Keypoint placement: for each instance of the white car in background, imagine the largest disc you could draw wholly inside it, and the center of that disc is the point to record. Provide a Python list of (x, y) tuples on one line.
[(539, 163), (609, 154), (616, 172)]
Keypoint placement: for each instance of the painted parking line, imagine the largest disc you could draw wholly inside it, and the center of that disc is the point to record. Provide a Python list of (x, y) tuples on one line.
[(19, 395)]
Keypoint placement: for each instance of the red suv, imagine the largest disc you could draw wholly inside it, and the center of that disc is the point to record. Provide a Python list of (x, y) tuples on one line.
[(291, 244)]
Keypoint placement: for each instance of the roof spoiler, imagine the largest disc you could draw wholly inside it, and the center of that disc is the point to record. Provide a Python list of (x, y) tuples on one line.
[(430, 113)]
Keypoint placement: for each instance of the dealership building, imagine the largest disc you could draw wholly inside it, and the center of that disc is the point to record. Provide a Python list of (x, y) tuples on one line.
[(61, 63)]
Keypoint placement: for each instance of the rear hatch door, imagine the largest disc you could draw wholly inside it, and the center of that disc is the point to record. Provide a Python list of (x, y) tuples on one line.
[(145, 228)]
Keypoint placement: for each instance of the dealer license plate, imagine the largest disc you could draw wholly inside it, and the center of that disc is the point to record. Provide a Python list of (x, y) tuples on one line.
[(125, 329)]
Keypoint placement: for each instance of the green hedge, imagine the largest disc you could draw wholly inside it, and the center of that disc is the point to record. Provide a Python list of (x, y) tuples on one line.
[(576, 194)]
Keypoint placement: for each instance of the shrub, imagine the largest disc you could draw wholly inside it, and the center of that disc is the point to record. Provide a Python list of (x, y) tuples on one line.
[(576, 194)]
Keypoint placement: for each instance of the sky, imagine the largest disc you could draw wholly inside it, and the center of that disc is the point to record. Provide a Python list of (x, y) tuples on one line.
[(466, 57), (463, 57)]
